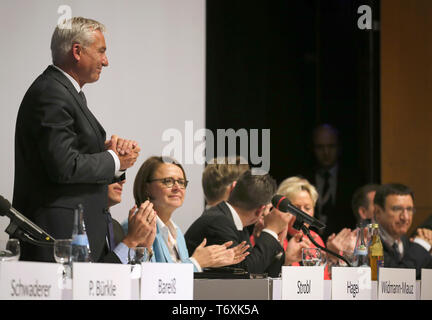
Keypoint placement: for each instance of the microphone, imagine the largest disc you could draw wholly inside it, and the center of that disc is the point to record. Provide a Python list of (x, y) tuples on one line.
[(22, 227), (283, 204)]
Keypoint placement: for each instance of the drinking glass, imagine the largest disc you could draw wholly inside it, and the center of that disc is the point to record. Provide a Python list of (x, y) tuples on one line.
[(311, 256), (63, 255), (10, 250), (139, 255), (63, 251)]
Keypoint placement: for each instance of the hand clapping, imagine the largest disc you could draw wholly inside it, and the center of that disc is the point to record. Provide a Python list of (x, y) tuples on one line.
[(126, 150)]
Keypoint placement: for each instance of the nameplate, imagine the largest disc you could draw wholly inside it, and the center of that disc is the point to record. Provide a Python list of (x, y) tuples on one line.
[(351, 283), (101, 281), (426, 284), (397, 284), (23, 280), (302, 283), (166, 281)]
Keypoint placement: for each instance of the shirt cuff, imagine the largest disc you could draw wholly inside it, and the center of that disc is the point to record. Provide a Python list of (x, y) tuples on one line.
[(117, 171), (122, 252), (272, 233), (423, 243), (196, 264)]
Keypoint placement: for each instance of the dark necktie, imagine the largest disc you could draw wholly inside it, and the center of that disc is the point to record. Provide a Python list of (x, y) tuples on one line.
[(110, 230), (326, 195), (326, 188), (396, 251), (82, 95)]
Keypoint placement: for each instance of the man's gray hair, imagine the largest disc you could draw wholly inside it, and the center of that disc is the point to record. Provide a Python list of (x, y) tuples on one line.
[(76, 30)]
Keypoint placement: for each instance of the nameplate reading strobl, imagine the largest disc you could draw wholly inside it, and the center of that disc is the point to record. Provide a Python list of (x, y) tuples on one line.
[(351, 283), (396, 284), (101, 281), (302, 283), (166, 281), (23, 280)]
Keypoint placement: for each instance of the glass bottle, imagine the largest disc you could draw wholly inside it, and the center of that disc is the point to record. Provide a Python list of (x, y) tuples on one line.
[(360, 257), (376, 253), (80, 243)]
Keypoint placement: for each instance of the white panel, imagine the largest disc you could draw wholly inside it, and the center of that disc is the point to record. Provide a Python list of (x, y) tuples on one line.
[(154, 82)]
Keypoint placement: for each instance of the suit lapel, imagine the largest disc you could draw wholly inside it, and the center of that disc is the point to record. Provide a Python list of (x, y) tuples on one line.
[(97, 128)]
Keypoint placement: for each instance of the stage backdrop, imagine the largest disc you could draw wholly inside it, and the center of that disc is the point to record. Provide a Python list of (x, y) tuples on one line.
[(154, 82)]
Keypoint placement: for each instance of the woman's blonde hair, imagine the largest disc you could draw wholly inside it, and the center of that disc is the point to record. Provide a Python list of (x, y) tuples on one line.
[(291, 186)]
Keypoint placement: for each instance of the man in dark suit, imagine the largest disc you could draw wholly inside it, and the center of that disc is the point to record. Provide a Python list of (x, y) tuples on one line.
[(227, 221), (394, 209), (335, 182), (61, 156), (141, 226)]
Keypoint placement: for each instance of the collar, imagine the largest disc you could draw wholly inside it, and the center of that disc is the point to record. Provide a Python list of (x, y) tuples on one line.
[(237, 221), (333, 171), (168, 230), (67, 75), (387, 238)]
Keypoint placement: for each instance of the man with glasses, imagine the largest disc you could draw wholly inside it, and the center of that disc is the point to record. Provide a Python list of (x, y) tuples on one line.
[(394, 210)]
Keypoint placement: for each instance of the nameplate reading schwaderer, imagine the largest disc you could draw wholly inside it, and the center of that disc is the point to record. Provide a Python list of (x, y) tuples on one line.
[(101, 281), (166, 281), (23, 280), (396, 284), (302, 283), (351, 283)]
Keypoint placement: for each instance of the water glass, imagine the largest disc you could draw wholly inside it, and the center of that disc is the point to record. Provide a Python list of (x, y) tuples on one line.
[(139, 255), (10, 250), (63, 251), (63, 255), (311, 256)]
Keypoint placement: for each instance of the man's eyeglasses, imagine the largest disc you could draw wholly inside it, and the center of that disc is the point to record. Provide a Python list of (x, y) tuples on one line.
[(169, 182), (399, 210)]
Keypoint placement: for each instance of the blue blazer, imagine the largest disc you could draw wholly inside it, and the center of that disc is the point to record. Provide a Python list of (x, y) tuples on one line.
[(161, 252)]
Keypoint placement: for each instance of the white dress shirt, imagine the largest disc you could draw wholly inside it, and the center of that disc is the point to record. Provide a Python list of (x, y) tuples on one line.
[(239, 224), (169, 234), (389, 240)]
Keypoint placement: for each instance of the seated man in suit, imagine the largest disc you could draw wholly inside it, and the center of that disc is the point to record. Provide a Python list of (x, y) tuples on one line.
[(362, 203), (227, 221), (394, 210), (219, 178), (141, 229)]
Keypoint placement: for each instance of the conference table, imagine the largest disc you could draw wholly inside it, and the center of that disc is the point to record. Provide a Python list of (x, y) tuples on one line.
[(163, 281)]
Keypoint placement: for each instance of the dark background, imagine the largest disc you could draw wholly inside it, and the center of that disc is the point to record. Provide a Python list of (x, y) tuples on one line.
[(290, 65)]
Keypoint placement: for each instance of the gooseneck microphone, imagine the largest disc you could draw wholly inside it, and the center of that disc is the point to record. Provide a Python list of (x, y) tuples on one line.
[(22, 228), (281, 203)]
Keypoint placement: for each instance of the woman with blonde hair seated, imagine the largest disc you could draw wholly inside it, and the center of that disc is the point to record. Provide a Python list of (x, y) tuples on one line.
[(304, 196), (162, 181)]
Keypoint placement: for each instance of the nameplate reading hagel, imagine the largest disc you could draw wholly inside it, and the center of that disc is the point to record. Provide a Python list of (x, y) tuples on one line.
[(351, 283)]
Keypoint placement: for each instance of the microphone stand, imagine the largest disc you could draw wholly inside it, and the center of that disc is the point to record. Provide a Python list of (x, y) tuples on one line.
[(14, 231), (301, 226)]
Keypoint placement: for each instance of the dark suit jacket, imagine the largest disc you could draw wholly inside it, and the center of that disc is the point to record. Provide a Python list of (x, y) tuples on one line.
[(217, 225), (341, 215), (415, 257), (60, 161)]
